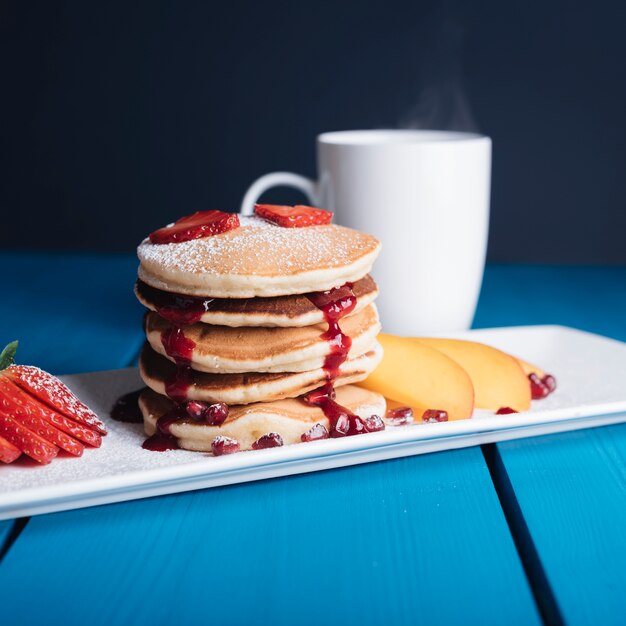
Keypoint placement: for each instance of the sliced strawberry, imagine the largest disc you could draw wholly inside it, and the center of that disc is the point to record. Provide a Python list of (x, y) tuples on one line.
[(51, 434), (8, 452), (196, 226), (55, 394), (78, 431), (26, 440), (26, 410), (293, 216), (15, 401)]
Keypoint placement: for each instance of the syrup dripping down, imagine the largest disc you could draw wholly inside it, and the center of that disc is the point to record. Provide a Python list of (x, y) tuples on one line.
[(126, 409), (343, 422), (160, 443), (335, 304), (180, 349), (162, 439)]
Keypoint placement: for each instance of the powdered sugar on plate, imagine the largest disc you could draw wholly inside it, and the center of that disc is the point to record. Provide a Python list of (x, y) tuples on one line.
[(121, 450)]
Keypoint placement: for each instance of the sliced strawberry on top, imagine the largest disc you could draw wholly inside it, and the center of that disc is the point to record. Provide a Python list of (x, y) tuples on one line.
[(196, 226), (26, 440), (50, 390), (8, 452), (298, 216), (25, 410)]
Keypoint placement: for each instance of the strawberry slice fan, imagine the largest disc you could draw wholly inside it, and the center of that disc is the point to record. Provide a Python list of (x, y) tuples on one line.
[(39, 415)]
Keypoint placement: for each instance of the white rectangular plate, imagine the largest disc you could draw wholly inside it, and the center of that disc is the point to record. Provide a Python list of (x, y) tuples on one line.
[(591, 392)]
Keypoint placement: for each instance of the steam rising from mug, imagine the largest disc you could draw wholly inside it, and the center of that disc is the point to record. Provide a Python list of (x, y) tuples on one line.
[(441, 102)]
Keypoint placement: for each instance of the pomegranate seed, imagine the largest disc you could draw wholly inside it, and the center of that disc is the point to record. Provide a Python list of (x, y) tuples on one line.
[(550, 382), (195, 409), (505, 410), (357, 426), (401, 411), (538, 389), (319, 395), (435, 415), (400, 416), (224, 445), (319, 431), (216, 414), (348, 425), (271, 440), (374, 423), (342, 426)]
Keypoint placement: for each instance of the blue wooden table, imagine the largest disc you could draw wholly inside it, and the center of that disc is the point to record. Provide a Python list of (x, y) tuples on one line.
[(524, 532)]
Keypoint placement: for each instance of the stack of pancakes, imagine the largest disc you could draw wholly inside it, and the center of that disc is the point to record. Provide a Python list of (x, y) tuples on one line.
[(232, 320)]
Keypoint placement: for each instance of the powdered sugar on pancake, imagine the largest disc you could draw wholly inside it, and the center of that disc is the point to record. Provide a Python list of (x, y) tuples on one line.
[(259, 248)]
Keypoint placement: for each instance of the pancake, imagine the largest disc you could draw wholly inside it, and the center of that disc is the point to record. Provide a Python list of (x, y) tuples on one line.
[(289, 418), (244, 388), (226, 350), (259, 259), (284, 311)]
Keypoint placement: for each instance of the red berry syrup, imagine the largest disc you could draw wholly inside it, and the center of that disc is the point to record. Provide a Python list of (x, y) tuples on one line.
[(163, 439), (126, 409), (160, 443), (335, 304), (343, 423), (179, 348)]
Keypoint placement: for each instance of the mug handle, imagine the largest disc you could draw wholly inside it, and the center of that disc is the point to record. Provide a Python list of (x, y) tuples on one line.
[(276, 179)]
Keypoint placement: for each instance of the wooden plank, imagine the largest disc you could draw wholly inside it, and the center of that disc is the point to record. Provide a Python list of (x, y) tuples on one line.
[(566, 497), (412, 541), (71, 312)]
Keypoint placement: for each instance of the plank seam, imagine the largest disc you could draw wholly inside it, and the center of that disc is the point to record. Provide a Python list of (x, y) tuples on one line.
[(529, 556), (16, 530)]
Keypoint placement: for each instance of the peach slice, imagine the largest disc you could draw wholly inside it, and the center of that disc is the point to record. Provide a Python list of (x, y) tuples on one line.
[(421, 377), (499, 379)]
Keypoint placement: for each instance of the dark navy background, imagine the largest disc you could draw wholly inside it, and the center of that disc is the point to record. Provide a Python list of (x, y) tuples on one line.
[(116, 119)]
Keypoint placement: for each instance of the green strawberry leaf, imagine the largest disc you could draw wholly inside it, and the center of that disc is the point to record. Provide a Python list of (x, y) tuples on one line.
[(7, 356)]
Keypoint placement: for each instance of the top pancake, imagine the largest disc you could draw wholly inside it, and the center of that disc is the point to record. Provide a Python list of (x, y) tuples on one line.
[(259, 259)]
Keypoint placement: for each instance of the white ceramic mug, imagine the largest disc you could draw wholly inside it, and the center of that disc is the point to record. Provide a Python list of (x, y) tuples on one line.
[(425, 195)]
